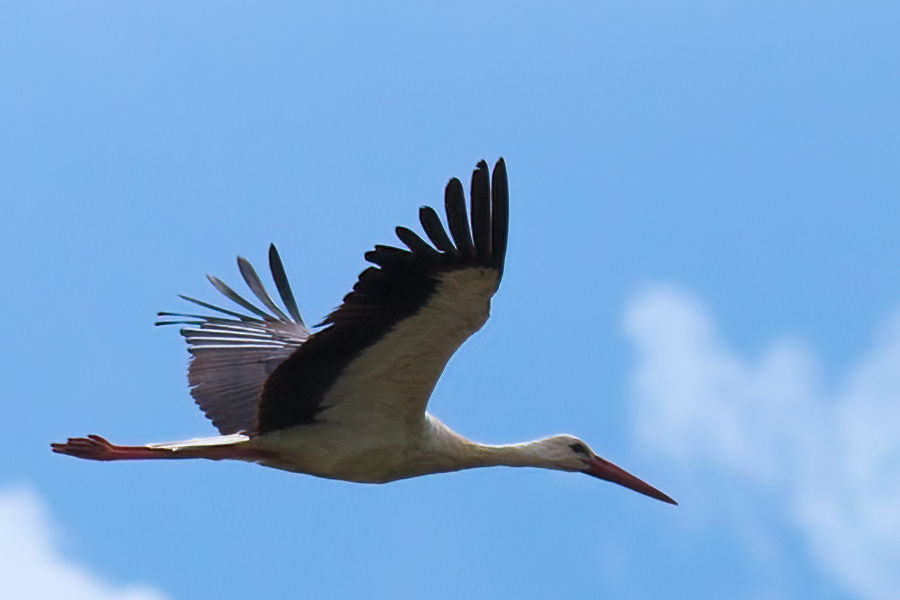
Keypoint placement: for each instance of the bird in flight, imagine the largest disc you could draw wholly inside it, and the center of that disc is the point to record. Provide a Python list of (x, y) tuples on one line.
[(348, 400)]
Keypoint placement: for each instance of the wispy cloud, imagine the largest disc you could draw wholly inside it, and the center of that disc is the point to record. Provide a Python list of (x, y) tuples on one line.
[(31, 566), (832, 456)]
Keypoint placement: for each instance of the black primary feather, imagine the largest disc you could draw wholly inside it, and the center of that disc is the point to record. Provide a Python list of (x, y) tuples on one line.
[(431, 223), (481, 212), (282, 283), (455, 205)]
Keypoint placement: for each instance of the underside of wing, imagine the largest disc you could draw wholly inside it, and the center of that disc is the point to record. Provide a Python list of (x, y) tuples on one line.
[(233, 354), (384, 348)]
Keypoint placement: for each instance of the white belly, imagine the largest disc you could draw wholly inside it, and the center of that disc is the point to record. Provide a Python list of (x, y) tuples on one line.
[(369, 456)]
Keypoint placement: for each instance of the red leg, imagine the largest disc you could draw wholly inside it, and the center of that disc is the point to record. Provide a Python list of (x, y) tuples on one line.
[(94, 447)]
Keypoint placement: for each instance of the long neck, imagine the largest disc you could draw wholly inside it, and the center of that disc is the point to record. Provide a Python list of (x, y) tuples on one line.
[(466, 454), (525, 454)]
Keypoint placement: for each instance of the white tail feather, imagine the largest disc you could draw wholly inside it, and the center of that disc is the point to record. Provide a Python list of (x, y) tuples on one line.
[(220, 440)]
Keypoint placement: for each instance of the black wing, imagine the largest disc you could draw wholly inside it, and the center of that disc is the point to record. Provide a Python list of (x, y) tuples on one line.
[(383, 349)]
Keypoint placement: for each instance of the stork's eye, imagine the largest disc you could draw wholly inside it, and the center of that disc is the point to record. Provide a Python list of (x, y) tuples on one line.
[(578, 448)]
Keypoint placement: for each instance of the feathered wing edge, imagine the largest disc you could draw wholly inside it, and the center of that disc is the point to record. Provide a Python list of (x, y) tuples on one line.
[(232, 355)]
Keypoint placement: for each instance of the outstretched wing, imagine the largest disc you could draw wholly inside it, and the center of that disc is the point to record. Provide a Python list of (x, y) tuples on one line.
[(382, 351), (232, 355)]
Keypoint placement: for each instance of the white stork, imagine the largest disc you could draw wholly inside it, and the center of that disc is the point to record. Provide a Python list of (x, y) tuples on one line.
[(348, 401)]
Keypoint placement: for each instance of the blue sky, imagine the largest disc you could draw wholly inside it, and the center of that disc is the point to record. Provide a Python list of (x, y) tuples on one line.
[(703, 282)]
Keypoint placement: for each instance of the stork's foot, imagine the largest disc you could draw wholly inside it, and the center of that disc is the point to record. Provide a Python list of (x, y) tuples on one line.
[(93, 447)]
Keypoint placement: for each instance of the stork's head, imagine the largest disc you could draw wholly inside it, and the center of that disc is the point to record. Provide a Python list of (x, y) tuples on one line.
[(568, 453)]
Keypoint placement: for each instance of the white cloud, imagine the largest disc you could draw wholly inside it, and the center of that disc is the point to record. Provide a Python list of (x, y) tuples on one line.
[(831, 456), (31, 567)]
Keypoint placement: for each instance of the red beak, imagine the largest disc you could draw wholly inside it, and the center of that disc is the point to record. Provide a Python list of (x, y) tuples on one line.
[(603, 469)]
